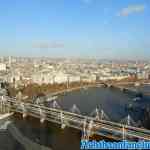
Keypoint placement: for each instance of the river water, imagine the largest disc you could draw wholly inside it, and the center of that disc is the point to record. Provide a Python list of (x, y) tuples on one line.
[(113, 101)]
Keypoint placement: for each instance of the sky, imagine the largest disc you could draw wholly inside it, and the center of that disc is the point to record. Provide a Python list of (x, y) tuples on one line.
[(110, 29)]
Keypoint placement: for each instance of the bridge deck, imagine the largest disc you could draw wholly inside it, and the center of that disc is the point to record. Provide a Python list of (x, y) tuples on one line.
[(92, 125)]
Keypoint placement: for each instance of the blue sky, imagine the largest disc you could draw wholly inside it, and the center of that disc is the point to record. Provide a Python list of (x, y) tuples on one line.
[(75, 28)]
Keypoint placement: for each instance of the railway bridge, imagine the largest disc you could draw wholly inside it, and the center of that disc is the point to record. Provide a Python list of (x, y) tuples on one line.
[(88, 125)]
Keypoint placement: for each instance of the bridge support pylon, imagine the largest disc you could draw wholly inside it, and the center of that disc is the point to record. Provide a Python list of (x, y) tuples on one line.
[(84, 132), (63, 125), (42, 116), (24, 110), (4, 108), (123, 133), (87, 130)]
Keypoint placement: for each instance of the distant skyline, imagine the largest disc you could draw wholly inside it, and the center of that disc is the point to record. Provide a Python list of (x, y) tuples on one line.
[(103, 29)]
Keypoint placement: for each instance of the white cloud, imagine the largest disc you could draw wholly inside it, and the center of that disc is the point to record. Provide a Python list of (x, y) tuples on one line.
[(138, 8)]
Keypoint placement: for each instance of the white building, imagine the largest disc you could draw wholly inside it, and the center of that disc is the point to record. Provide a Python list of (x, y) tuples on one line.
[(117, 77), (13, 78), (88, 78), (74, 78), (42, 78), (2, 67), (61, 78), (51, 78), (143, 75)]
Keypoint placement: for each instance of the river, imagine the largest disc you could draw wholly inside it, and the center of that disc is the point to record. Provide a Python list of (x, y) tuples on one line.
[(113, 101)]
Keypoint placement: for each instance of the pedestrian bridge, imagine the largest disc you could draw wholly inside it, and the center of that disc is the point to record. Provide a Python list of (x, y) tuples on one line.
[(88, 125)]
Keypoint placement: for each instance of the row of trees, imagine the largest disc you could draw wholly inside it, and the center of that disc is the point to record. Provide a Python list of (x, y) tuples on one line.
[(35, 90)]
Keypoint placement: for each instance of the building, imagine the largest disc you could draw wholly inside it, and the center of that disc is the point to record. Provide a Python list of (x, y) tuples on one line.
[(74, 78), (89, 78), (42, 78), (3, 67)]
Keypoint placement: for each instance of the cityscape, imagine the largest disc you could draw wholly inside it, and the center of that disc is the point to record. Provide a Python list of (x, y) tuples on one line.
[(74, 75), (24, 71), (37, 85)]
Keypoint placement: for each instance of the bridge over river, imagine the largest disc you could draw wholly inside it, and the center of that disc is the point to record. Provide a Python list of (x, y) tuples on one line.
[(123, 86), (88, 125)]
